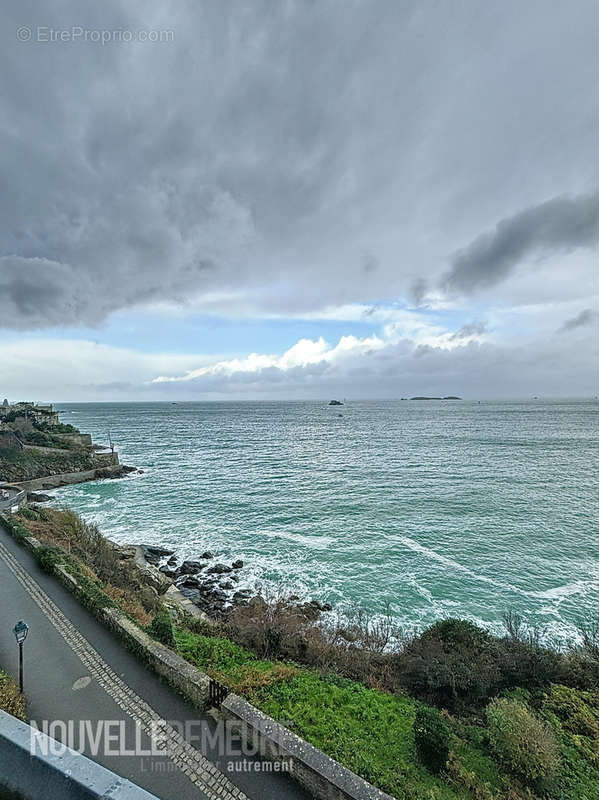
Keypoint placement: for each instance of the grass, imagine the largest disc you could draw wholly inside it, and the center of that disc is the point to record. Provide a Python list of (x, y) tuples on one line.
[(366, 730), (371, 732)]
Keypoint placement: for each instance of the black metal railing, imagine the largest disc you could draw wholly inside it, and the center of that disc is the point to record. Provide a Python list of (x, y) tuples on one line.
[(218, 692)]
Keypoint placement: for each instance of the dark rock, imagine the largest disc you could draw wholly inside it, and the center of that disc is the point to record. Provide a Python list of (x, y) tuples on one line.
[(154, 554), (35, 497), (220, 569), (157, 551), (207, 554), (172, 561), (258, 603), (312, 609), (170, 573), (227, 585), (237, 564), (124, 552), (190, 568), (242, 597), (188, 581)]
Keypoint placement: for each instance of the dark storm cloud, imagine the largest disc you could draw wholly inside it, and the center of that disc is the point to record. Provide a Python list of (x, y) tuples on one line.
[(558, 225), (310, 153), (586, 317)]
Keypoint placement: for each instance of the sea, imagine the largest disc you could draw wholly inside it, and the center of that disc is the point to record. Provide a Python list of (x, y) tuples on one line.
[(422, 509)]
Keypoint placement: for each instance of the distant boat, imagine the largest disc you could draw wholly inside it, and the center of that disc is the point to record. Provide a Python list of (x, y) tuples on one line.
[(335, 403)]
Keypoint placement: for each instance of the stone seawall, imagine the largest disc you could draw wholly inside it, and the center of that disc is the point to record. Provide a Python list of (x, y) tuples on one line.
[(66, 478)]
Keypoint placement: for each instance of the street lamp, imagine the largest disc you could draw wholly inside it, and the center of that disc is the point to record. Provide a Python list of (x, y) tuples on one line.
[(20, 631)]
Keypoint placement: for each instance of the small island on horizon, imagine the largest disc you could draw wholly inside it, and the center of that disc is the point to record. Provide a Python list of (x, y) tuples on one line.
[(447, 397)]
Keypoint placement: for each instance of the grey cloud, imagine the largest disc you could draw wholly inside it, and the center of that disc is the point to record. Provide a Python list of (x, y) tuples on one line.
[(470, 329), (558, 225), (404, 369), (334, 148), (584, 318)]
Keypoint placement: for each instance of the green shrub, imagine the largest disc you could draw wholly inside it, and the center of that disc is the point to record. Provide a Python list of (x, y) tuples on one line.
[(11, 700), (16, 529), (452, 664), (524, 744), (574, 712), (161, 628), (48, 558), (432, 738)]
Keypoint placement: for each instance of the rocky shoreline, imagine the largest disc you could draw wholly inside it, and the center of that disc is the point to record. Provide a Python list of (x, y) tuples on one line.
[(205, 587)]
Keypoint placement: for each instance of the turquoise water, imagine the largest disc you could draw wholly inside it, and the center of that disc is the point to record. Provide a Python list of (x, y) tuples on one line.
[(437, 508)]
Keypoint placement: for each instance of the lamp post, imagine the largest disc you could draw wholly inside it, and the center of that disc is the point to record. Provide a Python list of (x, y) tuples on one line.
[(20, 631)]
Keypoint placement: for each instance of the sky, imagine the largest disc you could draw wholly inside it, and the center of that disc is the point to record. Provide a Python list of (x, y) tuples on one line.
[(277, 200)]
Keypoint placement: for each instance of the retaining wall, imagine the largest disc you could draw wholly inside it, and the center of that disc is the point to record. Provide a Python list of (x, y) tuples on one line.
[(28, 773), (78, 439), (65, 478), (320, 774)]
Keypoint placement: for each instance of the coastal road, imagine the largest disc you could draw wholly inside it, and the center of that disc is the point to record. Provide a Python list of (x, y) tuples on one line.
[(76, 671)]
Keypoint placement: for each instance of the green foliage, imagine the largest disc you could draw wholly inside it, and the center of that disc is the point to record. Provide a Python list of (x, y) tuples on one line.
[(16, 528), (367, 730), (525, 744), (161, 628), (11, 699), (60, 428), (37, 462), (577, 711), (432, 738), (371, 732), (49, 557), (451, 664), (29, 513)]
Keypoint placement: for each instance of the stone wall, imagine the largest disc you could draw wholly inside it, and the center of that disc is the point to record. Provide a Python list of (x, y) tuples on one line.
[(318, 773), (77, 439), (178, 673), (106, 459), (9, 441), (64, 479)]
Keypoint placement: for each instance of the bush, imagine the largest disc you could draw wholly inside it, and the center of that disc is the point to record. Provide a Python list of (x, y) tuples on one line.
[(452, 664), (11, 700), (576, 710), (48, 558), (16, 529), (526, 745), (432, 738), (161, 628)]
